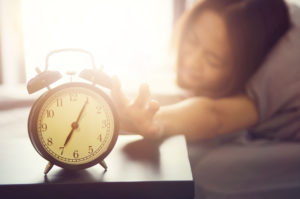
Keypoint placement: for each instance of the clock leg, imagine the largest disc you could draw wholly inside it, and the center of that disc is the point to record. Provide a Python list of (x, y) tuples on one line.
[(103, 164), (48, 168)]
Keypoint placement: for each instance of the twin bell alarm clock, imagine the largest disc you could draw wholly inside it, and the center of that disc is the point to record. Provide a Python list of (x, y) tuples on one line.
[(73, 125)]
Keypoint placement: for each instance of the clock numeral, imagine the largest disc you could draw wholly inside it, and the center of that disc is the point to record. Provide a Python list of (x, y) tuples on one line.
[(75, 154), (105, 124), (43, 127), (73, 97), (62, 150), (59, 102), (100, 138), (91, 150), (50, 113), (49, 141), (99, 109)]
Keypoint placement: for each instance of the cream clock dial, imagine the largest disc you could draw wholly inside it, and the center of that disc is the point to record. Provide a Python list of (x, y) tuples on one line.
[(73, 125)]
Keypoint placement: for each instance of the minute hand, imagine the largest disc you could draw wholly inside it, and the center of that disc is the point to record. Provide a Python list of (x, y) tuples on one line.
[(75, 124), (82, 109)]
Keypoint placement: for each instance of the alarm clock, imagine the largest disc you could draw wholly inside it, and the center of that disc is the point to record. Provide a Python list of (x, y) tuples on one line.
[(73, 125)]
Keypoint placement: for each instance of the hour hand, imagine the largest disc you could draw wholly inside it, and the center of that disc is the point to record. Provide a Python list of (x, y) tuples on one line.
[(74, 126)]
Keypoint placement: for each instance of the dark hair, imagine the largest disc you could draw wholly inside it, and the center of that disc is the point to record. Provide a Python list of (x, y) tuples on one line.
[(254, 27)]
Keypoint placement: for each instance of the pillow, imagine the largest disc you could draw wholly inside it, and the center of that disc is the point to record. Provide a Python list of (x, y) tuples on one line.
[(275, 87)]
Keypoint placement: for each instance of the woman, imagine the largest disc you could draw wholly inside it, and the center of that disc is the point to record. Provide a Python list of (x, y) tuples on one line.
[(221, 49), (220, 45)]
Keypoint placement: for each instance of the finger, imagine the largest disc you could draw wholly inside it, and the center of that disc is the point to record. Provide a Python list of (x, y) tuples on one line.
[(124, 132), (117, 94), (143, 96), (152, 108)]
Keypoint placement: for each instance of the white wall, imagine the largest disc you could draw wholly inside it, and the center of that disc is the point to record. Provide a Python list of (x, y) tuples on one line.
[(11, 42)]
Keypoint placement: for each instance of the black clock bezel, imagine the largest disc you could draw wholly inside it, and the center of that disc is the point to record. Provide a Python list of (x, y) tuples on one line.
[(33, 128)]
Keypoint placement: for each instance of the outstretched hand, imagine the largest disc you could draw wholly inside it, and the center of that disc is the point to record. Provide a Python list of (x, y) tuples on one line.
[(137, 115)]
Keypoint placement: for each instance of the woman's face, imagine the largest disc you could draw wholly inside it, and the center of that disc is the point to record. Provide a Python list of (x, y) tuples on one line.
[(205, 59)]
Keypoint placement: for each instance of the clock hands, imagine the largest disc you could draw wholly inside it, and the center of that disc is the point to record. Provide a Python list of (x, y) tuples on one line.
[(75, 125), (70, 134), (81, 111)]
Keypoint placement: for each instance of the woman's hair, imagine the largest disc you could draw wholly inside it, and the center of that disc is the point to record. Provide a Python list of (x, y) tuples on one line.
[(254, 27)]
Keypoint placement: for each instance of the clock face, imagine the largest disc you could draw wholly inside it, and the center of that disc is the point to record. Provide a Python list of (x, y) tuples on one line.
[(75, 125)]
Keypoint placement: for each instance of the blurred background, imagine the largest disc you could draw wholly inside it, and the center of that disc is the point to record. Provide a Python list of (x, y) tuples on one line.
[(130, 39)]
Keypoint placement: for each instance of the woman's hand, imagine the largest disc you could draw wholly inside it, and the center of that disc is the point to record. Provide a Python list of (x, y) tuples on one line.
[(136, 116)]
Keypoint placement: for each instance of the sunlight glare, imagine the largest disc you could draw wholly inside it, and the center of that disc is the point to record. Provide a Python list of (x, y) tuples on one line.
[(130, 38)]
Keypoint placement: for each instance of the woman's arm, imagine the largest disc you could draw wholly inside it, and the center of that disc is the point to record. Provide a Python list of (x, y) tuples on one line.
[(197, 117), (203, 118)]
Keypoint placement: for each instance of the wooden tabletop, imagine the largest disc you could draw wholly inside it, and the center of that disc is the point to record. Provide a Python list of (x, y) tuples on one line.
[(137, 168)]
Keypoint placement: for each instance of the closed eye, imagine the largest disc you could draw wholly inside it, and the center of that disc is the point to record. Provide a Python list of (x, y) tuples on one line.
[(212, 58)]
